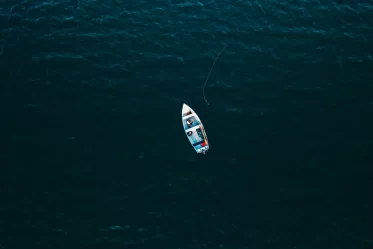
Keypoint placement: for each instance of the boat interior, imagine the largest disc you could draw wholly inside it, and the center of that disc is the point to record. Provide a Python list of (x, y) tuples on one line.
[(195, 122)]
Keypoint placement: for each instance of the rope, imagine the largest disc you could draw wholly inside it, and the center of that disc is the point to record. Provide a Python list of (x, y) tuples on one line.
[(210, 73)]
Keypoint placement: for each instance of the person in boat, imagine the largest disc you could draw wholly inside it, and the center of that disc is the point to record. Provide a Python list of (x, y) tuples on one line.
[(190, 133), (189, 122)]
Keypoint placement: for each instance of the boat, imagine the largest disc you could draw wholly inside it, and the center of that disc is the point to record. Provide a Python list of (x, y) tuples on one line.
[(194, 130)]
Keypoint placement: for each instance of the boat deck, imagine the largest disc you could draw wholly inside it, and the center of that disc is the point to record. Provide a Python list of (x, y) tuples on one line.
[(188, 116)]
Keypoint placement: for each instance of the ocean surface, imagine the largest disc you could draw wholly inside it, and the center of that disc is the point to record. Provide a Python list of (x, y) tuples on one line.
[(94, 153)]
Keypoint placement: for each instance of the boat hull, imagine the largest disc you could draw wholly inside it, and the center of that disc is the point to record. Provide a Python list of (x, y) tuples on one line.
[(194, 130)]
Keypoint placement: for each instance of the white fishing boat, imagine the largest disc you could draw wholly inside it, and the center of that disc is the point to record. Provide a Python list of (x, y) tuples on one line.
[(194, 130)]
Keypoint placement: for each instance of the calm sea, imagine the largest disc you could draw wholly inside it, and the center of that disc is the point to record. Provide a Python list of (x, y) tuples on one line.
[(94, 154)]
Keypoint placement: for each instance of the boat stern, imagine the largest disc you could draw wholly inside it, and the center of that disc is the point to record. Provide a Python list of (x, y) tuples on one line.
[(203, 150)]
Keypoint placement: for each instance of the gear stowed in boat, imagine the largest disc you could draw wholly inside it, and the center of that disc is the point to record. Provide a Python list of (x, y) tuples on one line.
[(194, 130)]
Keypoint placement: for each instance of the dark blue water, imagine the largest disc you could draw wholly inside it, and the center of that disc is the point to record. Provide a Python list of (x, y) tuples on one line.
[(94, 154)]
